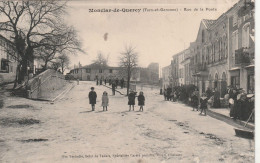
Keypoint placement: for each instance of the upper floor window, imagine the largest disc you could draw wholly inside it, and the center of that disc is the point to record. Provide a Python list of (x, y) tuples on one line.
[(234, 42), (245, 35), (203, 36), (235, 18)]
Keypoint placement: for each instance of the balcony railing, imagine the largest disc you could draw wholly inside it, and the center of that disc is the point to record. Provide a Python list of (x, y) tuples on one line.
[(200, 67), (243, 57)]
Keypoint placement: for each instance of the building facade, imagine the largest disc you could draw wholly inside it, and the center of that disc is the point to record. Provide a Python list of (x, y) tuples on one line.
[(8, 56), (8, 60), (166, 76), (242, 46), (149, 75), (186, 64), (222, 54), (175, 70)]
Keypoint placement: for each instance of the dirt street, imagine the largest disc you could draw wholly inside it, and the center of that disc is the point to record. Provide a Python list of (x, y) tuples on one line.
[(68, 131)]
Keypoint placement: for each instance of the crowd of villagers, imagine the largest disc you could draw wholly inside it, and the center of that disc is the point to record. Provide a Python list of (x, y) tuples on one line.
[(241, 105)]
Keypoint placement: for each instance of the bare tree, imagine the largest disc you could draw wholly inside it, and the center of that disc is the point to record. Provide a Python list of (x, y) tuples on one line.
[(62, 63), (63, 43), (101, 59), (31, 25), (128, 61)]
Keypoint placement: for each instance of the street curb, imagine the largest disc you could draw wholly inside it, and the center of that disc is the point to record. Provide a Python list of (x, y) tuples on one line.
[(236, 123), (116, 90), (64, 92)]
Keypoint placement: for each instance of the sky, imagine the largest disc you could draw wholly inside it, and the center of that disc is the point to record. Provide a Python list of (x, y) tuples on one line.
[(156, 36)]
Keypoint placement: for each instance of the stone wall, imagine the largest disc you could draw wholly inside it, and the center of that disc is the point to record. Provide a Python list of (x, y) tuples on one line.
[(45, 84), (6, 77)]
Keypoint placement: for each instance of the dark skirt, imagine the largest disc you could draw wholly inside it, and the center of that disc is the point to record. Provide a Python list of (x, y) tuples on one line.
[(141, 103), (131, 102)]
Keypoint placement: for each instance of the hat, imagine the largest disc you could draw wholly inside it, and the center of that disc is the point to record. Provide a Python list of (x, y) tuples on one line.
[(238, 96), (250, 95), (92, 88)]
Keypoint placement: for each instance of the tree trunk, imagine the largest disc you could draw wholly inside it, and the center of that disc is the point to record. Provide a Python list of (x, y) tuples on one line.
[(28, 57), (128, 79), (45, 65), (23, 70)]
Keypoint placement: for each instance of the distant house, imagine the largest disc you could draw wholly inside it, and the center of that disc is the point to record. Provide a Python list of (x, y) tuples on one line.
[(166, 76), (93, 71), (8, 60), (150, 75)]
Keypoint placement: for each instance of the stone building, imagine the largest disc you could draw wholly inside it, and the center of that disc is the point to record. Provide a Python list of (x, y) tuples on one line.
[(186, 64), (149, 75), (8, 60), (215, 54), (153, 69), (166, 76), (223, 52), (175, 70), (242, 46), (93, 71)]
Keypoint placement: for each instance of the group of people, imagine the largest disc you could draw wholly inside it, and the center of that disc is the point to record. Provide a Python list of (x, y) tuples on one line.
[(171, 95), (92, 95), (105, 100), (116, 82), (140, 98), (240, 103), (190, 95)]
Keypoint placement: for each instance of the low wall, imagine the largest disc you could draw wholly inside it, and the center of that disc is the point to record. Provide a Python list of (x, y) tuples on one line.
[(45, 84), (7, 77)]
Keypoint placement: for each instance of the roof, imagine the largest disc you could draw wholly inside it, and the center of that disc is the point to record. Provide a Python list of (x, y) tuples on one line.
[(208, 22), (96, 66)]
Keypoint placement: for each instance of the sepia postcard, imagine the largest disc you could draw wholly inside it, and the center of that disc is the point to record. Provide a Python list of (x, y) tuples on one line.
[(148, 81)]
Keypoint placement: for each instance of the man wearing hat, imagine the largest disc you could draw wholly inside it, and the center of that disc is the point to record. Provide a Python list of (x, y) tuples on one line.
[(92, 98)]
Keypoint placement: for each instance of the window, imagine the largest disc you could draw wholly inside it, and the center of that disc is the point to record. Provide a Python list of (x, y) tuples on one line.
[(220, 49), (88, 70), (245, 35), (235, 20), (251, 83), (235, 82), (203, 36), (213, 53), (234, 42), (4, 65)]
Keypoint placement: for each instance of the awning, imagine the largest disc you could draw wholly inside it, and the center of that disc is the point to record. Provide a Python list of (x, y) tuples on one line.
[(250, 66), (252, 37), (5, 60), (234, 69), (201, 73)]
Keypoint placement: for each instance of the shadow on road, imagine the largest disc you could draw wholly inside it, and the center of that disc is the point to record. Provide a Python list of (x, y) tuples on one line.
[(86, 111)]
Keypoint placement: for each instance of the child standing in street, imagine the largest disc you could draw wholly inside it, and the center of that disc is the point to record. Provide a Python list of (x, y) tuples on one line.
[(141, 100), (105, 100), (92, 98), (203, 103), (131, 100)]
